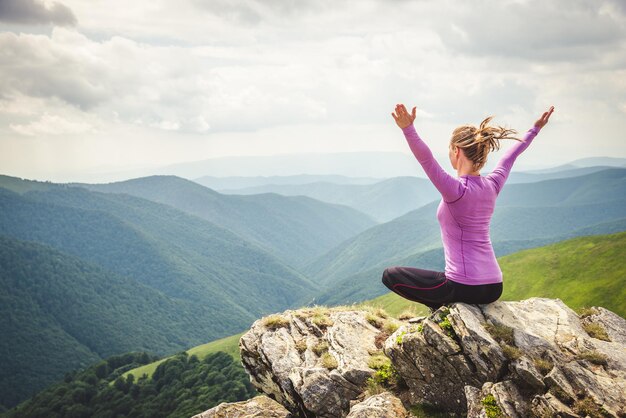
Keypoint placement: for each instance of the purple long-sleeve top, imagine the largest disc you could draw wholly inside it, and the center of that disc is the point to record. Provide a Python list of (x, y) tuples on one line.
[(465, 211)]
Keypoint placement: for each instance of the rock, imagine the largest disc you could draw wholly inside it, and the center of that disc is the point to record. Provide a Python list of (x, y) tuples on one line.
[(315, 362), (384, 405), (531, 358), (528, 358), (258, 407)]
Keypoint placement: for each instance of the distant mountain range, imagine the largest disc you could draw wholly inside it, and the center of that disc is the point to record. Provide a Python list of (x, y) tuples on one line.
[(383, 200), (294, 229), (526, 215)]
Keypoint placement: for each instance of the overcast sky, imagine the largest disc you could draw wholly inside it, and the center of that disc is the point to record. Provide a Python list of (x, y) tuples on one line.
[(106, 85)]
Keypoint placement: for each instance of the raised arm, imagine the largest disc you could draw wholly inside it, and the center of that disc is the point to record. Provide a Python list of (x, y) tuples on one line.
[(450, 187), (501, 172)]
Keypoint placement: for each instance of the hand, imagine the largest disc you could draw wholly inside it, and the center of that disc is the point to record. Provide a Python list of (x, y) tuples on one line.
[(543, 120), (402, 117)]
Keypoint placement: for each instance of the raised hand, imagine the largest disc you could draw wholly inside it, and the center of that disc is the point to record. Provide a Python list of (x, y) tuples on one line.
[(402, 117), (543, 120)]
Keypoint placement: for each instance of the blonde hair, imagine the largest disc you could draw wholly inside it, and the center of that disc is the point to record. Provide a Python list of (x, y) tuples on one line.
[(476, 143)]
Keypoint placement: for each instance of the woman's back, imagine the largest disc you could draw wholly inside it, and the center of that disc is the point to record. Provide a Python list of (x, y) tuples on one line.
[(465, 232)]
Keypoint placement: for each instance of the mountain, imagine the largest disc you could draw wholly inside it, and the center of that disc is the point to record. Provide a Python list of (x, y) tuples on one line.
[(60, 313), (390, 198), (294, 229), (383, 201), (526, 214), (241, 182), (357, 164)]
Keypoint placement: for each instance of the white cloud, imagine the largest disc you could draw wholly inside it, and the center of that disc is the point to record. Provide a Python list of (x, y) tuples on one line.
[(197, 73), (52, 125)]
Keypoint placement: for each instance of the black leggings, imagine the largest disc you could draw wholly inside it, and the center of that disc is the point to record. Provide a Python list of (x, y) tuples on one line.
[(434, 289)]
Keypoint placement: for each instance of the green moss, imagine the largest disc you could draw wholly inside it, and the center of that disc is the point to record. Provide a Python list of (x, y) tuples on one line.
[(400, 337), (420, 328), (447, 327), (492, 410)]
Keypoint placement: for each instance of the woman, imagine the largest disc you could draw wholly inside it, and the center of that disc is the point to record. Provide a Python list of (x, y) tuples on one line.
[(472, 273)]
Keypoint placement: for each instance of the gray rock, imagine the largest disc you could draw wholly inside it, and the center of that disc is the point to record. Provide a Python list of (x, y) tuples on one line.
[(283, 362), (258, 407), (384, 405), (445, 367)]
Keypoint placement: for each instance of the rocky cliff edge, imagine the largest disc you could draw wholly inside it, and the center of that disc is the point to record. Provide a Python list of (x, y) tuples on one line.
[(532, 358)]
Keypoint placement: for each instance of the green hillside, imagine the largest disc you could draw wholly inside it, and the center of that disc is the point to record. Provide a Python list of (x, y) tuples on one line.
[(582, 271), (59, 313), (180, 280), (295, 229)]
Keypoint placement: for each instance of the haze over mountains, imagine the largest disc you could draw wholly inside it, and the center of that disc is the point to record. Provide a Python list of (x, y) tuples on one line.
[(162, 263)]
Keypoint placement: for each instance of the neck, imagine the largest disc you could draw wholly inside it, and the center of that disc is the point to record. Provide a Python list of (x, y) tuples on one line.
[(465, 168)]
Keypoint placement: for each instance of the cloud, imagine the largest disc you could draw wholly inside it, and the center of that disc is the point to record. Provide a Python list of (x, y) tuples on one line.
[(559, 30), (34, 12), (52, 125)]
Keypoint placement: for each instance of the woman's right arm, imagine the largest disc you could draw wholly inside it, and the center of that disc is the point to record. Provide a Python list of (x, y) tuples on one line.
[(504, 166)]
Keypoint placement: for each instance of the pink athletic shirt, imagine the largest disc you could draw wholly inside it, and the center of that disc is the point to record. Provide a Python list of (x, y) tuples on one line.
[(464, 213)]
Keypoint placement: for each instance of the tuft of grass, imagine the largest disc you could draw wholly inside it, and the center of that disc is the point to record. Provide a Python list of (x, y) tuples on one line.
[(596, 331), (585, 311), (420, 328), (501, 333), (511, 352), (492, 410), (301, 345), (275, 321), (594, 357), (378, 361), (390, 326), (328, 361), (407, 314), (320, 347), (374, 320), (543, 365), (587, 407), (400, 337), (322, 321)]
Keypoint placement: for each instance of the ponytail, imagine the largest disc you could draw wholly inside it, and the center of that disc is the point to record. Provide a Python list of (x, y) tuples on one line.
[(478, 142)]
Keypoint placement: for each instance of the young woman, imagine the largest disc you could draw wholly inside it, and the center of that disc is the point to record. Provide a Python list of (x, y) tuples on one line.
[(472, 273)]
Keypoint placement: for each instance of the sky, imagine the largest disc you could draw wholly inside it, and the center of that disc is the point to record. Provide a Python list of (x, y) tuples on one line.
[(95, 86)]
